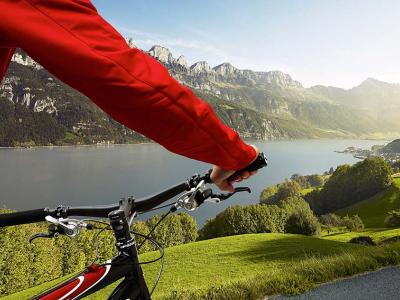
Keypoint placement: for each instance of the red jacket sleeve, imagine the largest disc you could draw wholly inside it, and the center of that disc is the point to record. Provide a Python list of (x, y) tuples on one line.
[(71, 40), (5, 57)]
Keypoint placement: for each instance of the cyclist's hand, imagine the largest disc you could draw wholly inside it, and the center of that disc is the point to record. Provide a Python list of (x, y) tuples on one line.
[(219, 177)]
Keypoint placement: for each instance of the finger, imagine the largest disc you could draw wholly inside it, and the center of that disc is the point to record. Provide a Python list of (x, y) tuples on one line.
[(234, 178), (245, 174), (227, 186)]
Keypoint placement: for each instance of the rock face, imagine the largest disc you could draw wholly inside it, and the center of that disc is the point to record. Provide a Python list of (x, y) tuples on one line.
[(181, 61), (23, 59), (201, 67), (259, 105), (164, 56), (226, 70), (17, 91), (281, 79)]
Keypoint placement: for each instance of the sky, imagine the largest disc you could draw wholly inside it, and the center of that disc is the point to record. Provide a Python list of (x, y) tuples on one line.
[(337, 42)]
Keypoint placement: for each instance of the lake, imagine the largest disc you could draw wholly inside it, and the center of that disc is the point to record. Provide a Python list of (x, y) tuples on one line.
[(89, 175)]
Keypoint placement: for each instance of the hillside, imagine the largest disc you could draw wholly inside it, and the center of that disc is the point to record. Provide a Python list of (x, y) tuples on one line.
[(259, 105), (252, 266), (392, 148), (373, 211), (380, 98)]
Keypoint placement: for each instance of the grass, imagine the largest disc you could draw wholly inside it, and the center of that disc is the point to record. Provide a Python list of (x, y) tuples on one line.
[(377, 234), (373, 211), (304, 192), (250, 266)]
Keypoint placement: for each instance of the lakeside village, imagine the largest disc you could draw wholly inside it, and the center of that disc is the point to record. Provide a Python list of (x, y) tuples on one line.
[(389, 152)]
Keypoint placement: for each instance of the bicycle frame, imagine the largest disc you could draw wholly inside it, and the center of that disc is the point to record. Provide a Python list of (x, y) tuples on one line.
[(95, 277)]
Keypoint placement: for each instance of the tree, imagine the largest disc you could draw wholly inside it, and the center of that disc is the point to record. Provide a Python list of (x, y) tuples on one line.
[(142, 228), (300, 218), (301, 180), (351, 184), (267, 196), (393, 219), (316, 180), (244, 219), (353, 223), (174, 230), (288, 189)]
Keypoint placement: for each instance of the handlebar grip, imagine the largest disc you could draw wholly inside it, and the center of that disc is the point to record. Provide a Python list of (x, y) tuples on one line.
[(23, 217), (260, 162)]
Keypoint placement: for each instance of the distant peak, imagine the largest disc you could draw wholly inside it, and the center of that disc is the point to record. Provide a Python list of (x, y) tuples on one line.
[(225, 69), (371, 80), (182, 61), (282, 79), (158, 48), (201, 67)]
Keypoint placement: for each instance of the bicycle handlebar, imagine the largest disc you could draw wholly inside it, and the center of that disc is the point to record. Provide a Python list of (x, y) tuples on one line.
[(141, 205), (100, 211), (23, 217)]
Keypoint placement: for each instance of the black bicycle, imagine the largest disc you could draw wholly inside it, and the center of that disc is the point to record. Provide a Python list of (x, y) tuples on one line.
[(126, 264)]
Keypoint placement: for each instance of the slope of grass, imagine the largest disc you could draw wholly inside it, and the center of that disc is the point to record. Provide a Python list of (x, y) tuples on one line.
[(254, 265), (249, 266), (373, 211), (377, 234)]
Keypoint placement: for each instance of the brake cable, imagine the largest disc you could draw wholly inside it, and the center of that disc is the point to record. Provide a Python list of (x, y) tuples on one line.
[(146, 237)]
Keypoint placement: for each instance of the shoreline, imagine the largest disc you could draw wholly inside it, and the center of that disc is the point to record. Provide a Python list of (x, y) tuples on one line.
[(145, 143)]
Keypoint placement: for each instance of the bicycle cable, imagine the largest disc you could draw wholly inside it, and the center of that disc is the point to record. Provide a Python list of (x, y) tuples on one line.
[(157, 208), (146, 237), (154, 227)]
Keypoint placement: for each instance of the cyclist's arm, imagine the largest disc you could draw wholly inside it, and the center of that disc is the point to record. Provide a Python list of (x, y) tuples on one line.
[(5, 57), (72, 41)]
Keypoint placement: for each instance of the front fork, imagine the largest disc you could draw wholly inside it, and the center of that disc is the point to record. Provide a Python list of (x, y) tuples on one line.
[(134, 285)]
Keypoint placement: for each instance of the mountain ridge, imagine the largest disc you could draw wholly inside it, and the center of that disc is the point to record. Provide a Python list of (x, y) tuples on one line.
[(259, 105)]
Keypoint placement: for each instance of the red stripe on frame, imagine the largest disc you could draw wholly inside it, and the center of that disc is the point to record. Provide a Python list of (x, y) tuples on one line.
[(76, 287)]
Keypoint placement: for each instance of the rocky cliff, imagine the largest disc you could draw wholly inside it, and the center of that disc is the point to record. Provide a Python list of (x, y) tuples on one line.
[(259, 105)]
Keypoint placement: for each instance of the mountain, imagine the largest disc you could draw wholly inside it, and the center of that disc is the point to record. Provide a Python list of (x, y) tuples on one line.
[(38, 109), (392, 148), (334, 110), (381, 99)]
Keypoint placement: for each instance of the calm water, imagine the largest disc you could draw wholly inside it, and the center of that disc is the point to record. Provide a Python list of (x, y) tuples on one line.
[(47, 177)]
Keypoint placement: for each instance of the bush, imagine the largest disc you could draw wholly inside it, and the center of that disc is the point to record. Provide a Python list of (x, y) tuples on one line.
[(244, 219), (351, 184), (48, 259), (331, 220), (316, 180), (301, 180), (393, 239), (176, 229), (287, 189), (363, 240), (142, 228), (268, 195), (393, 219), (292, 215), (300, 218), (353, 223)]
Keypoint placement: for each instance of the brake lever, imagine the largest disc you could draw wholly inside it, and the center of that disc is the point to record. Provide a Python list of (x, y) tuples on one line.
[(217, 198), (52, 232)]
